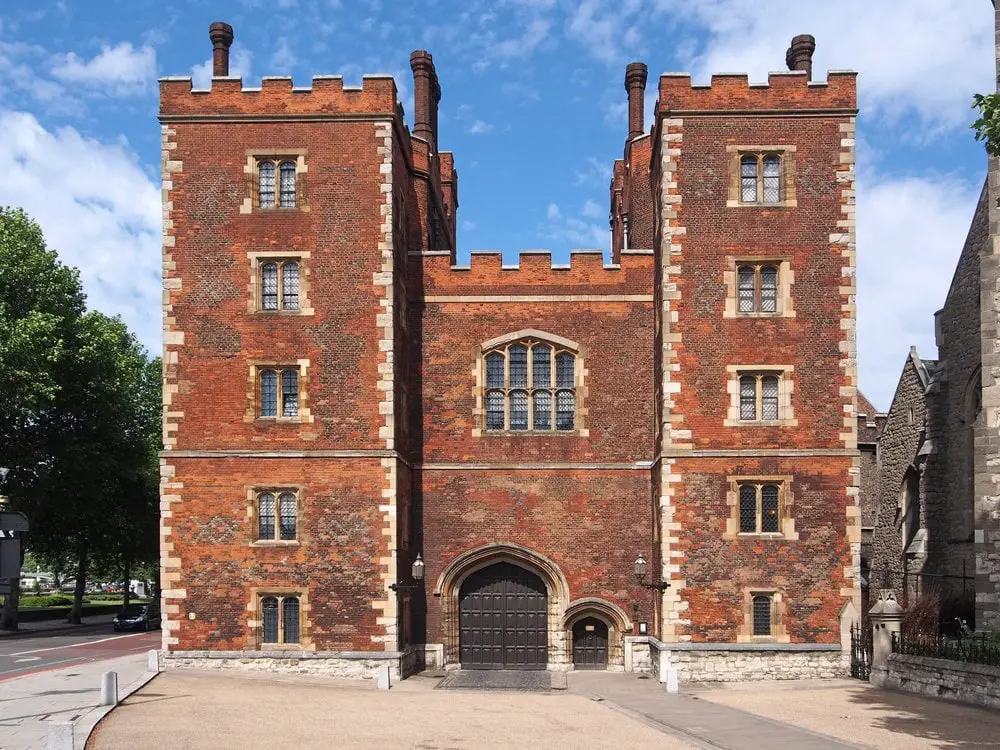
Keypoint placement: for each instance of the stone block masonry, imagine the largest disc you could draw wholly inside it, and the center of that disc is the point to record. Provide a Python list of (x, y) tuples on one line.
[(970, 683)]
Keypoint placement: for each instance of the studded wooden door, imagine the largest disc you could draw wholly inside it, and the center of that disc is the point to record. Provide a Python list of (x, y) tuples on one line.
[(503, 619), (590, 644)]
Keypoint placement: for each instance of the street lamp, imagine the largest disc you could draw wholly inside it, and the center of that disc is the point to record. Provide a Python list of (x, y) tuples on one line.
[(416, 573), (639, 569)]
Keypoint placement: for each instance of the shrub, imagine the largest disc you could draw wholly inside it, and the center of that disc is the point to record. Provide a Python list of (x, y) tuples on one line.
[(923, 617), (51, 600)]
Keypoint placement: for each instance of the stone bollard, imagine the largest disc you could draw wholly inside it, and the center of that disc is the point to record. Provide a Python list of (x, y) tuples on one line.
[(60, 735), (887, 620), (671, 683), (383, 678), (109, 689), (153, 661)]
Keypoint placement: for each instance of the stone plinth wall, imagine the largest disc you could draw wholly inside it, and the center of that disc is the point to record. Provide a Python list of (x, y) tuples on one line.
[(736, 662), (354, 665), (969, 683)]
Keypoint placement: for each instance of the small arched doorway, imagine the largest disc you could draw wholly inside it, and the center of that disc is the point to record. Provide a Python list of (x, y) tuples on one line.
[(590, 644), (503, 619)]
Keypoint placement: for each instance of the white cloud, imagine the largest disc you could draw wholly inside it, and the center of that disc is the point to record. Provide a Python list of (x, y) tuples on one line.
[(283, 59), (97, 208), (603, 28), (595, 173), (578, 233), (924, 55), (240, 59), (121, 70), (479, 127), (910, 234), (468, 226), (592, 210)]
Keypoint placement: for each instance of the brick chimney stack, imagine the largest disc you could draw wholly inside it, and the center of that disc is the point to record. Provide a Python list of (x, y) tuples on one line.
[(426, 96), (221, 35), (800, 54), (635, 85)]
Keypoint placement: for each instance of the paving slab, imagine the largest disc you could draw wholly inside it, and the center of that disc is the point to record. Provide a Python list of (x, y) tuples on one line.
[(524, 681)]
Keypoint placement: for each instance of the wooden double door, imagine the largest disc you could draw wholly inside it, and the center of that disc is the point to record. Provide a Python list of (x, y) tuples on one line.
[(503, 619)]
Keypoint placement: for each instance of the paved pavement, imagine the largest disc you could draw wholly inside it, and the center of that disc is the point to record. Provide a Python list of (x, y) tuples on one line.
[(60, 647)]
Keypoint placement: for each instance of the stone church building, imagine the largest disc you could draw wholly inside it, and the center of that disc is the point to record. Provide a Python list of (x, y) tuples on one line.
[(376, 456)]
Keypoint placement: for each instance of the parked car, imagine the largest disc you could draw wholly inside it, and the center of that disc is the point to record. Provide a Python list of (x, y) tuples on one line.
[(137, 617)]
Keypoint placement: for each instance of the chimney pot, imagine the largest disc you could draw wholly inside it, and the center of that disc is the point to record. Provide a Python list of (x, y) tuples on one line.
[(635, 84), (221, 34), (800, 53)]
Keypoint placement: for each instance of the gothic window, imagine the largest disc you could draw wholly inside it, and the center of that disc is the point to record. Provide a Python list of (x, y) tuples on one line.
[(276, 183), (277, 515), (279, 285), (286, 196), (762, 618), (279, 620), (757, 288), (274, 401), (531, 386), (760, 509), (759, 397), (760, 178)]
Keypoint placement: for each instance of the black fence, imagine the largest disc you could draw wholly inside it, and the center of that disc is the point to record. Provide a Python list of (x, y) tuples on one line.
[(861, 651), (955, 594), (975, 648)]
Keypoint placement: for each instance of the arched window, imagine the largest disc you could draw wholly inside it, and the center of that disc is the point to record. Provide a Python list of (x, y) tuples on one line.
[(265, 184), (760, 178), (756, 288), (768, 289), (269, 286), (530, 387), (280, 620), (286, 195), (270, 619), (748, 509), (772, 178), (265, 516), (274, 402), (279, 285), (288, 515), (276, 518), (290, 619), (760, 508), (747, 288), (748, 397), (748, 178), (760, 397), (762, 605)]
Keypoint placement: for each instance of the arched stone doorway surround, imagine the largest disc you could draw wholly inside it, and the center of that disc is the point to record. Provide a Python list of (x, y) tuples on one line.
[(611, 615), (449, 583)]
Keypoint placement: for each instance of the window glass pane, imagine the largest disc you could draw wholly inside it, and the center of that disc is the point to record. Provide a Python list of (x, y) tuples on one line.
[(769, 509), (265, 516), (565, 410), (541, 366), (269, 393), (287, 195), (772, 179), (518, 410), (748, 397), (265, 193), (269, 614), (518, 366), (290, 286), (762, 615), (745, 284), (565, 377), (748, 179), (290, 614), (748, 508), (494, 370), (769, 398), (288, 515), (289, 393), (768, 289), (542, 418), (269, 286), (494, 410)]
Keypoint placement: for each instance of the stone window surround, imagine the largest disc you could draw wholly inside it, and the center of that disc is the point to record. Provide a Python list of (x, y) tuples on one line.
[(786, 277), (580, 387), (779, 613), (257, 258), (253, 391), (786, 386), (256, 155), (252, 493), (786, 501), (786, 153), (255, 622)]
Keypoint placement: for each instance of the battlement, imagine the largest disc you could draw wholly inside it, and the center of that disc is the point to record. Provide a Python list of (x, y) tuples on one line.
[(784, 91), (535, 274), (279, 96)]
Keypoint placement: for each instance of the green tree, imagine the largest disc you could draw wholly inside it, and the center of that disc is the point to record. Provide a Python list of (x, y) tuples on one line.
[(987, 125)]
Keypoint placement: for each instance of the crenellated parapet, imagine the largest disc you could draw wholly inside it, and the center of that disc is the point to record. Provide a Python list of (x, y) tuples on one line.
[(729, 92), (535, 274), (279, 96)]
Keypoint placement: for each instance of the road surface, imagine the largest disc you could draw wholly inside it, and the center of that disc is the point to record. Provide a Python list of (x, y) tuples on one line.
[(44, 650)]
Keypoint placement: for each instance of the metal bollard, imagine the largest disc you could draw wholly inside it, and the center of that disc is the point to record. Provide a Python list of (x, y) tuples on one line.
[(109, 689), (60, 735)]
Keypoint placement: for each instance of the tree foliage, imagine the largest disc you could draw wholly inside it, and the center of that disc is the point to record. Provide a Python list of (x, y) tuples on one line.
[(79, 415), (987, 125)]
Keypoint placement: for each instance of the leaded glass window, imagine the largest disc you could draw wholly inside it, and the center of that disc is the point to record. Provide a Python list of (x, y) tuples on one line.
[(290, 286), (269, 616), (760, 178), (769, 398), (288, 515), (748, 508), (286, 197), (769, 289), (265, 184), (269, 286), (772, 178), (265, 516), (530, 385), (289, 393), (269, 393), (761, 615), (748, 397), (760, 398), (746, 288), (757, 288), (769, 522), (748, 178), (290, 616)]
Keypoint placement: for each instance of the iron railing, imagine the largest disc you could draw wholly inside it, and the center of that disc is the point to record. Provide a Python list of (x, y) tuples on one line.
[(861, 651), (975, 648)]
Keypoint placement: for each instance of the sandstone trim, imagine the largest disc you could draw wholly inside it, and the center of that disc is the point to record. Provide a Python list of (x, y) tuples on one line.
[(501, 298)]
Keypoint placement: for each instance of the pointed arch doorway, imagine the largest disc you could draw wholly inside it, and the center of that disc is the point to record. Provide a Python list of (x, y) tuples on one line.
[(503, 619)]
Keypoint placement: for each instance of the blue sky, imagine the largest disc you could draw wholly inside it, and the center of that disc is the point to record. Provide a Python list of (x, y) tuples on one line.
[(533, 106)]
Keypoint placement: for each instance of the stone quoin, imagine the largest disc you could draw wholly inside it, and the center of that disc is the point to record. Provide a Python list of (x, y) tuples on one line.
[(342, 399)]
